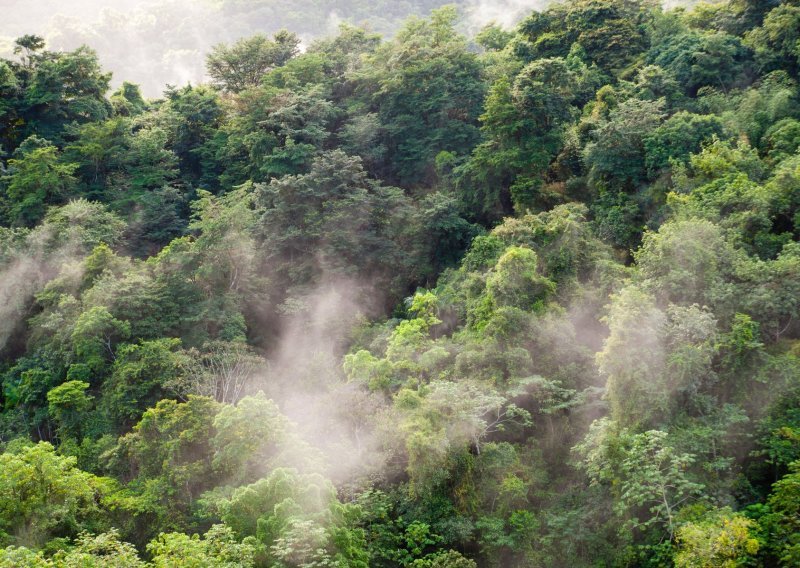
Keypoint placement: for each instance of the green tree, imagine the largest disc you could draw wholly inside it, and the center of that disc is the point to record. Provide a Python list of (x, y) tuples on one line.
[(252, 438), (781, 521), (68, 404), (169, 452), (776, 41), (615, 157), (335, 220), (83, 223), (426, 86), (611, 32), (244, 64), (714, 59), (446, 418), (722, 539), (633, 359), (523, 125), (99, 150), (650, 477), (127, 100), (296, 520), (59, 88), (217, 549), (95, 336), (515, 281), (43, 494), (36, 180), (104, 550), (139, 378), (679, 136), (194, 115)]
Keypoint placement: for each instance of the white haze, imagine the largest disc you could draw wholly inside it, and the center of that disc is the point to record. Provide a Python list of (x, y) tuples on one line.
[(25, 272), (155, 43), (305, 377), (503, 12)]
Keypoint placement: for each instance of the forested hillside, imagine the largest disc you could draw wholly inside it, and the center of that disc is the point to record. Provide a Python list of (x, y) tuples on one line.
[(524, 299)]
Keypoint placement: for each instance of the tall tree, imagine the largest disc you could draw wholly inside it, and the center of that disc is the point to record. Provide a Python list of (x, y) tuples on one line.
[(243, 65)]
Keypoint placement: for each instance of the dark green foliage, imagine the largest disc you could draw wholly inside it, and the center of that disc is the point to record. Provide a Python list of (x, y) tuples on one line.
[(426, 87), (716, 60), (677, 138), (335, 221)]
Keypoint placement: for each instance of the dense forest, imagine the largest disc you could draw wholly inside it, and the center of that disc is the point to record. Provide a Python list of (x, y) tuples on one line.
[(527, 297)]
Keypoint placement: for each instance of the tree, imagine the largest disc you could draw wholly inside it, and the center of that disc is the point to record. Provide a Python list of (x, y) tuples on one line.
[(223, 252), (781, 521), (611, 32), (28, 45), (649, 476), (43, 494), (426, 86), (633, 359), (195, 114), (99, 151), (523, 123), (104, 550), (449, 559), (168, 458), (243, 65), (446, 418), (150, 165), (95, 336), (714, 59), (335, 221), (297, 521), (679, 136), (515, 281), (273, 133), (128, 100), (218, 548), (81, 223), (615, 157), (140, 376), (222, 370), (59, 88), (37, 180), (776, 41), (68, 404), (493, 37), (253, 438), (655, 475), (723, 539), (684, 261), (782, 140)]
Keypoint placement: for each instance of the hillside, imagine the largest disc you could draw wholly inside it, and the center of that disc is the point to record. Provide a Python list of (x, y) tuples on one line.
[(457, 297)]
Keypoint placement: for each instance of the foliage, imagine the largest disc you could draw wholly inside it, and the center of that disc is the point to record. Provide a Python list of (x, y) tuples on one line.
[(524, 297), (45, 495), (244, 64)]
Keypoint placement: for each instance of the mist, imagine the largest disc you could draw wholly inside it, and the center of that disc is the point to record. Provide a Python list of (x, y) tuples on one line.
[(503, 12), (26, 271), (155, 44), (304, 376), (419, 303)]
